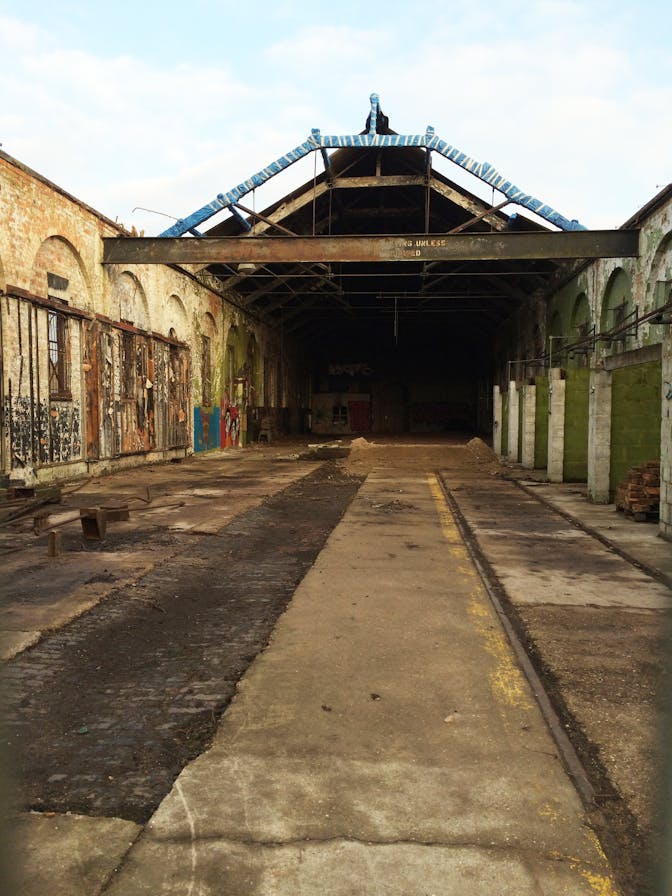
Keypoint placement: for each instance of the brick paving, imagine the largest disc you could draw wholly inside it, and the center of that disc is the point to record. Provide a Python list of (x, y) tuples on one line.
[(103, 714)]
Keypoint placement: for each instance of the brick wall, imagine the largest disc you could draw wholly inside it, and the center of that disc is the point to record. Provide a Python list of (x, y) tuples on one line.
[(46, 231)]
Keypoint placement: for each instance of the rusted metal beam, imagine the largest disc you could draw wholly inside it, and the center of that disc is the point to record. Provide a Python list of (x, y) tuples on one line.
[(424, 247)]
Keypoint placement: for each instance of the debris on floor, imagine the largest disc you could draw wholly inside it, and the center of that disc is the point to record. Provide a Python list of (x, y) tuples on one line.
[(480, 450), (639, 494), (361, 443)]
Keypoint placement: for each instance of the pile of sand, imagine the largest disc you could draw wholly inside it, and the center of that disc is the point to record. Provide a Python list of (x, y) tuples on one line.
[(481, 451), (361, 443)]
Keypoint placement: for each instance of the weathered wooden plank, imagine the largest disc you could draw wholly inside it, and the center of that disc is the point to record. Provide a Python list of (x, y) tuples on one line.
[(469, 203), (424, 247), (385, 180)]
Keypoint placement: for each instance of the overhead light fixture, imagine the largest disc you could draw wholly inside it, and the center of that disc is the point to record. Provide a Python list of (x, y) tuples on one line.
[(247, 267)]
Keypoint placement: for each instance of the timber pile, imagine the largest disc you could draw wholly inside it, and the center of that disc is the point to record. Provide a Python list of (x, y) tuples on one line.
[(639, 494), (18, 501)]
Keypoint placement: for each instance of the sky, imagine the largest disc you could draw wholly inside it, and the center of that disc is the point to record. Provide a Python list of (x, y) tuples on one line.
[(163, 105)]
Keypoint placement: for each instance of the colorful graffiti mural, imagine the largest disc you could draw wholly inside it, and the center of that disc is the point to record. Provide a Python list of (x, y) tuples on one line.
[(230, 424)]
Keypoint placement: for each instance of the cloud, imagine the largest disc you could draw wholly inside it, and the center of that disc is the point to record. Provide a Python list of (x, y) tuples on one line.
[(554, 93), (19, 35)]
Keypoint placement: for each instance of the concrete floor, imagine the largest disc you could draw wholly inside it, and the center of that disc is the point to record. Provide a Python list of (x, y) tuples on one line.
[(385, 742)]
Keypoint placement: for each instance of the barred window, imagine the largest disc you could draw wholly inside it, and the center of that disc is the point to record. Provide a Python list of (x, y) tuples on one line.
[(59, 355)]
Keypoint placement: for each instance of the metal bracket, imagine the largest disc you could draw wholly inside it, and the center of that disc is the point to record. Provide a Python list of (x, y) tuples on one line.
[(585, 345), (622, 329)]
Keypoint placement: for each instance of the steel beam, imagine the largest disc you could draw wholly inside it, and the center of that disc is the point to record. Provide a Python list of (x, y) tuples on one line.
[(423, 247)]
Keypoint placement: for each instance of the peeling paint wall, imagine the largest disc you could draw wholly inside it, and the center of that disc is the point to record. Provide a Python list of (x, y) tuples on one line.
[(42, 427), (131, 351)]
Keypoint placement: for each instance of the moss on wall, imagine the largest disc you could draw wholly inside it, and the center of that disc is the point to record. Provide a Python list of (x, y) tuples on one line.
[(635, 418), (575, 461)]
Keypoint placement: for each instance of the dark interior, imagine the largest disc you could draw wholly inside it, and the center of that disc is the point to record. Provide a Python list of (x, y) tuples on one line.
[(428, 333)]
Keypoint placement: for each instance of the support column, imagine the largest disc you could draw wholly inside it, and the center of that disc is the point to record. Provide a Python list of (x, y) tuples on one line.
[(497, 421), (529, 425), (599, 436), (556, 425), (666, 441), (512, 446)]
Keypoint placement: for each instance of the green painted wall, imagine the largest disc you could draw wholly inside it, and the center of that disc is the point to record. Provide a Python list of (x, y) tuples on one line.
[(505, 423), (541, 424), (635, 418), (575, 462)]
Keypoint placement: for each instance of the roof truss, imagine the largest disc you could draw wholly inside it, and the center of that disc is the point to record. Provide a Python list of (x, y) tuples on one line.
[(371, 139)]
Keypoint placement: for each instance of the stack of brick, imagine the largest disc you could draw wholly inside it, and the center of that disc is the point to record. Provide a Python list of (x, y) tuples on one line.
[(639, 494)]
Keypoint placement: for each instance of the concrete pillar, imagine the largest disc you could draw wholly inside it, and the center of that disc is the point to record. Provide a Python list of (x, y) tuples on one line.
[(556, 425), (599, 436), (497, 421), (514, 399), (666, 440), (529, 424)]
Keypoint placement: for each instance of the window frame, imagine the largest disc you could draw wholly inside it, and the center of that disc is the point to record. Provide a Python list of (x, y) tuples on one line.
[(58, 351)]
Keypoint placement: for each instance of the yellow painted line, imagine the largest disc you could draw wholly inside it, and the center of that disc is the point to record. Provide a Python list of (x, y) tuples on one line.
[(601, 884), (506, 680)]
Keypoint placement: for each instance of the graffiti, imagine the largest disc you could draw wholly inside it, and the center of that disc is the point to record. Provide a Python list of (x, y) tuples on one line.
[(45, 433), (206, 429), (65, 432), (231, 427), (18, 413), (360, 369), (128, 394)]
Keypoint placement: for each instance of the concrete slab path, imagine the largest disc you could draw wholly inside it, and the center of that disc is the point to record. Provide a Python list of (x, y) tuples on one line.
[(384, 743)]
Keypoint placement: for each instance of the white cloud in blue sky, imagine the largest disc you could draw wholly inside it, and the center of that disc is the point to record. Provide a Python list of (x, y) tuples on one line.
[(164, 105)]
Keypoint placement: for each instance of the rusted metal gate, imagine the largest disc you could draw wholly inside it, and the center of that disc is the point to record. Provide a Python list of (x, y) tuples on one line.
[(177, 430), (135, 408), (92, 355), (137, 392)]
